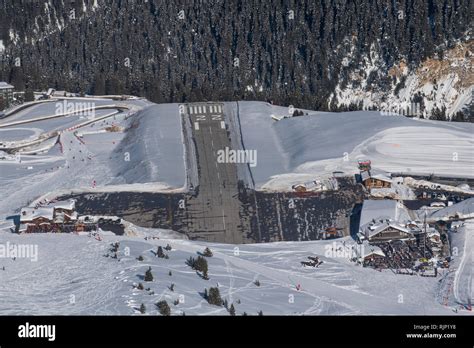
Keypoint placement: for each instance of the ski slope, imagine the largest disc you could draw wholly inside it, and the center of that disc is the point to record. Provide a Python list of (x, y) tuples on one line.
[(463, 280), (72, 276), (98, 159)]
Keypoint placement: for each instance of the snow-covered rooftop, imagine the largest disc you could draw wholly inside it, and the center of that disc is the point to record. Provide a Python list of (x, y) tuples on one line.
[(29, 213), (61, 217), (377, 215), (4, 85), (382, 177), (365, 249), (376, 174), (67, 205), (371, 229), (376, 209), (464, 209)]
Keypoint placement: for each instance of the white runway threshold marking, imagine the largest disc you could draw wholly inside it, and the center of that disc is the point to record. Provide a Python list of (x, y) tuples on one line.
[(196, 125)]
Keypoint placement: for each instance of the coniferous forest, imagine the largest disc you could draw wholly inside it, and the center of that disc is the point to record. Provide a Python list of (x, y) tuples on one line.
[(285, 51)]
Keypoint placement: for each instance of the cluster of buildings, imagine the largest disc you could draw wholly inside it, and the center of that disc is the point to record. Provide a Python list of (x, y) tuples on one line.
[(391, 236), (53, 217), (394, 231)]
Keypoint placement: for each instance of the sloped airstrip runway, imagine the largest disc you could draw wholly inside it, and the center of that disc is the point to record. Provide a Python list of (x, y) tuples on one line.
[(214, 214)]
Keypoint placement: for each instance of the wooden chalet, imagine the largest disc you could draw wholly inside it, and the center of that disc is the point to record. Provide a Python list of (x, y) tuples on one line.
[(387, 230), (384, 220), (370, 180), (36, 220), (369, 255), (59, 216)]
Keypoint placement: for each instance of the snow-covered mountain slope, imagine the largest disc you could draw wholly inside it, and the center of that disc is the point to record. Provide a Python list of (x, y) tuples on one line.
[(148, 154), (72, 276), (438, 86), (154, 145), (73, 162), (299, 148)]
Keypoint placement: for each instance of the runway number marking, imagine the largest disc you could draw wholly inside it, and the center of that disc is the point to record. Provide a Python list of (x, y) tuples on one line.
[(196, 125)]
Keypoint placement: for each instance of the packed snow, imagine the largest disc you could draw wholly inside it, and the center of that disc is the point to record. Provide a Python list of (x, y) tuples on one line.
[(65, 164), (72, 275), (155, 147), (299, 149)]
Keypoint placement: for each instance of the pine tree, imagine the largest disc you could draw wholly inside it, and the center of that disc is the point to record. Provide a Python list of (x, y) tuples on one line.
[(160, 252), (115, 247), (207, 252), (29, 95), (164, 308), (148, 275), (214, 297), (142, 309), (99, 85), (201, 266), (424, 29), (232, 310), (191, 262)]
